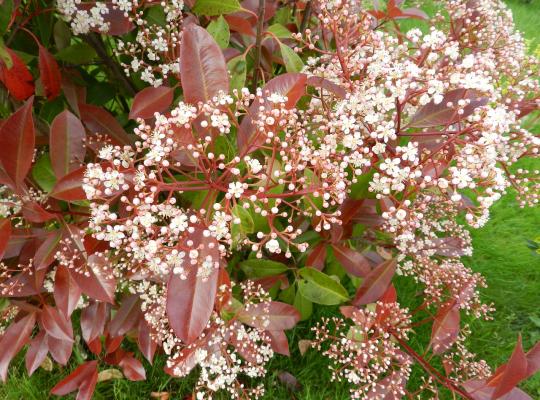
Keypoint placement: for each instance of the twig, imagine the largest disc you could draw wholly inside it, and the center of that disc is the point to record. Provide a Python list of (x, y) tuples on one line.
[(258, 45), (95, 41), (305, 17)]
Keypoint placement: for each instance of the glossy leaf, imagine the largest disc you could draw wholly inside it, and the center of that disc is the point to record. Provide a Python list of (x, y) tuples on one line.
[(49, 73), (43, 173), (93, 319), (353, 261), (317, 257), (83, 378), (514, 372), (375, 284), (440, 114), (56, 324), (274, 316), (5, 233), (66, 291), (16, 77), (97, 285), (66, 144), (215, 7), (147, 345), (291, 85), (219, 29), (13, 340), (259, 268), (151, 100), (127, 316), (17, 140), (36, 353), (445, 329), (133, 369), (321, 288), (292, 61), (69, 187), (99, 120), (203, 70), (190, 301), (237, 67), (47, 250)]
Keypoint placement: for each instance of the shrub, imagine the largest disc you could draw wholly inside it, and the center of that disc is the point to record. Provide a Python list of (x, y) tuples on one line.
[(149, 196)]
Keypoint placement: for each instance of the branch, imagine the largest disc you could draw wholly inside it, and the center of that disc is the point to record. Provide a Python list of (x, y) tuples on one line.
[(305, 17), (258, 45), (117, 73)]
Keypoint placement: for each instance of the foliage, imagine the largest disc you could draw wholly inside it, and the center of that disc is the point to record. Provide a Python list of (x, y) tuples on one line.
[(200, 219)]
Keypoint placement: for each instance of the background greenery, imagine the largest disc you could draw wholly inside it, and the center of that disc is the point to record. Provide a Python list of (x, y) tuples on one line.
[(501, 255)]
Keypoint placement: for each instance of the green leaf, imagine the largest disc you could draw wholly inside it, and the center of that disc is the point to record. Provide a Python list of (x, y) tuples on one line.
[(43, 174), (360, 189), (156, 16), (6, 9), (219, 29), (320, 288), (77, 53), (293, 62), (259, 268), (303, 305), (216, 7), (62, 35), (4, 55), (246, 224), (237, 67), (280, 31)]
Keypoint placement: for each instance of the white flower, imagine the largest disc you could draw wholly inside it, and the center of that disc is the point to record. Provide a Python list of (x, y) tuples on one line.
[(236, 189), (272, 246)]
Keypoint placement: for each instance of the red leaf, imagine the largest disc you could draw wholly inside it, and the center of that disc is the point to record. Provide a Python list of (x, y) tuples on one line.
[(99, 120), (13, 340), (479, 390), (56, 324), (375, 284), (514, 372), (190, 301), (323, 83), (203, 70), (133, 369), (126, 317), (279, 342), (36, 352), (17, 79), (533, 360), (69, 187), (274, 315), (47, 250), (81, 379), (317, 256), (97, 285), (117, 21), (440, 114), (33, 212), (353, 262), (66, 292), (147, 345), (93, 319), (17, 140), (291, 85), (445, 329), (151, 100), (66, 144), (60, 349), (49, 73), (5, 234)]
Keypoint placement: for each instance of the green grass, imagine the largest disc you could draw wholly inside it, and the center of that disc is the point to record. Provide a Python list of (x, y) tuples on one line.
[(511, 269)]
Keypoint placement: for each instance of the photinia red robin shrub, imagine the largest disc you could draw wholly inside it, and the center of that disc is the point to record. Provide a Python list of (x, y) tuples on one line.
[(196, 177)]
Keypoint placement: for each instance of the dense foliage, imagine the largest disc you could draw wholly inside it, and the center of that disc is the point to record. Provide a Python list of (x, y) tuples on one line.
[(194, 178)]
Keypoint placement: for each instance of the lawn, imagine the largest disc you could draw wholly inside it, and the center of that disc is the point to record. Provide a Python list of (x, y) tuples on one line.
[(501, 255)]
